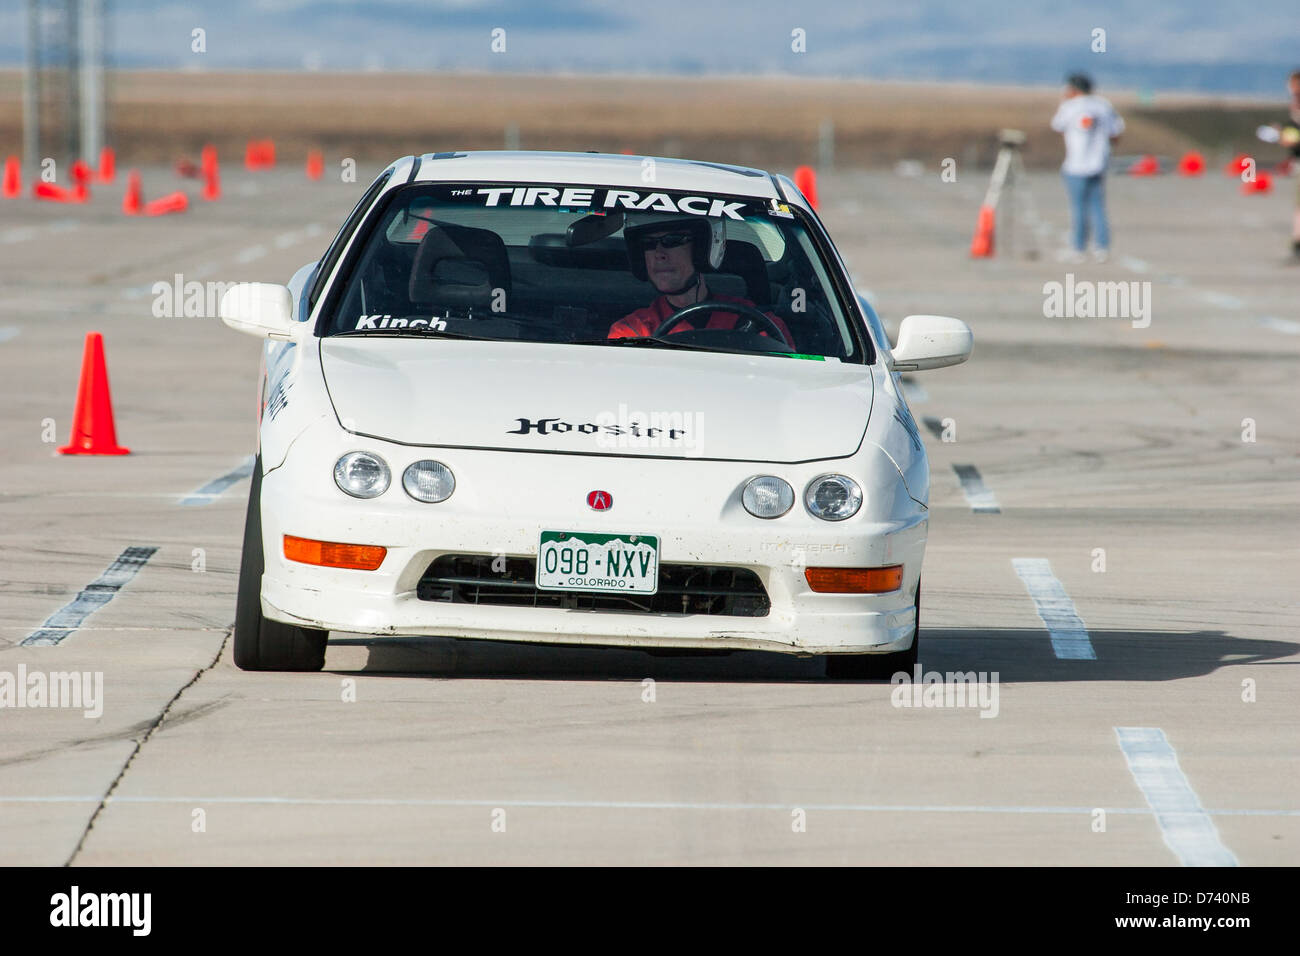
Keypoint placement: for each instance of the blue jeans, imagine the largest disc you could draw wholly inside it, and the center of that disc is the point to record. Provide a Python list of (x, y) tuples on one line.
[(1088, 209)]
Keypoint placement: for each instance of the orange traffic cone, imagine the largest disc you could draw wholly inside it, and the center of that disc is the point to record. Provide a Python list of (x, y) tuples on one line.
[(1192, 164), (1145, 166), (1262, 183), (1240, 163), (93, 432), (13, 184), (259, 154), (81, 176), (131, 201), (981, 245), (805, 180), (315, 164), (53, 192), (172, 202), (211, 182), (107, 171)]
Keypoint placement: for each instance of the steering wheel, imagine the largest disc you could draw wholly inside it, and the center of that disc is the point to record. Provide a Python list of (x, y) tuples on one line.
[(711, 305)]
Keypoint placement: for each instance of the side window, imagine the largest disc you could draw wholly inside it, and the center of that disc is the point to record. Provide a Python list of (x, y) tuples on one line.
[(332, 254)]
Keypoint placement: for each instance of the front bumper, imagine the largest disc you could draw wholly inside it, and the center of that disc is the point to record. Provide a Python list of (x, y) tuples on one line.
[(692, 506)]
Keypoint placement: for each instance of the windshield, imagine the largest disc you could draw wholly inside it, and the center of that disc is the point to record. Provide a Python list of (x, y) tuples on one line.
[(593, 265)]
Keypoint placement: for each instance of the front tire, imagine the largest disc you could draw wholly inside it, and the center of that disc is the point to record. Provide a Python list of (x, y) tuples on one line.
[(261, 644), (877, 666)]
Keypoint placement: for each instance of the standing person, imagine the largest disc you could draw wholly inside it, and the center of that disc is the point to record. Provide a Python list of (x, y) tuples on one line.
[(1089, 124)]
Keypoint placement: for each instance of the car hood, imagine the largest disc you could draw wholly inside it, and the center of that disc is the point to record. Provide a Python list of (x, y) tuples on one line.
[(524, 396)]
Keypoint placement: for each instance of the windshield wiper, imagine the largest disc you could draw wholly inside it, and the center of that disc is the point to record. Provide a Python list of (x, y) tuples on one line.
[(645, 341), (417, 330)]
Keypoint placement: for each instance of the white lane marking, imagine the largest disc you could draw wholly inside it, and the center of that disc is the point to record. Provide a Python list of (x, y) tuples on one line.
[(24, 233), (217, 486), (171, 630), (1185, 825), (91, 494), (1222, 301), (1134, 265), (91, 598), (1288, 326), (9, 332), (618, 805), (1070, 641), (249, 254), (914, 392), (980, 498)]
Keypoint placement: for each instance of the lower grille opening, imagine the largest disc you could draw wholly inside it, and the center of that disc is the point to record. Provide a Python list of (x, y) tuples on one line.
[(512, 582)]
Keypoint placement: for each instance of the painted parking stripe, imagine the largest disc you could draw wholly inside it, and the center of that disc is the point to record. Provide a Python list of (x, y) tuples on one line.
[(981, 499), (1070, 639), (1186, 827), (214, 488), (9, 332), (1222, 300), (94, 596), (250, 254), (934, 425), (1288, 326)]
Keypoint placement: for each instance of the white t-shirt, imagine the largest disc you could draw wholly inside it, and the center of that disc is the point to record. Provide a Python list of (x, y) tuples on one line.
[(1088, 123)]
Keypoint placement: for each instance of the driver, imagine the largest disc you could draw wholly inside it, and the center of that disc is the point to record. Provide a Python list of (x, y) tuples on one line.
[(670, 253)]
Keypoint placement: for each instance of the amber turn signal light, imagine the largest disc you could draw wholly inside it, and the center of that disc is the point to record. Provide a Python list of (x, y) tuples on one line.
[(331, 554), (855, 580)]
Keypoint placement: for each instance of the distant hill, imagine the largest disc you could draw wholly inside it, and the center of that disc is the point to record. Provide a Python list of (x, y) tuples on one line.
[(1201, 45)]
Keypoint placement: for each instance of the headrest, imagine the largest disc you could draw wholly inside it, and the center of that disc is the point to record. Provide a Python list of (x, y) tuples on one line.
[(459, 267)]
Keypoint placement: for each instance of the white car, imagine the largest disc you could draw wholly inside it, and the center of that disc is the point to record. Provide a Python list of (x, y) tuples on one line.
[(584, 399)]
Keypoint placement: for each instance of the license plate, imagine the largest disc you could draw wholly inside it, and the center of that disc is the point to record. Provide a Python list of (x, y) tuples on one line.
[(582, 561)]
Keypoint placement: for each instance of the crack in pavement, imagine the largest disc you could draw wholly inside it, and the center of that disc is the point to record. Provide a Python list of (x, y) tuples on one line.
[(162, 716)]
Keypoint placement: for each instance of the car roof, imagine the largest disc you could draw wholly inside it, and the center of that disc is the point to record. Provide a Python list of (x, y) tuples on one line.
[(594, 169)]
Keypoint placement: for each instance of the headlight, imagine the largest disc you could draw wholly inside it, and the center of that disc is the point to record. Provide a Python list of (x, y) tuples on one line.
[(767, 497), (833, 497), (361, 474), (430, 481)]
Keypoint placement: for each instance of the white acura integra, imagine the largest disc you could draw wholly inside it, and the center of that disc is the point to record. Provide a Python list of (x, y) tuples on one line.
[(584, 399)]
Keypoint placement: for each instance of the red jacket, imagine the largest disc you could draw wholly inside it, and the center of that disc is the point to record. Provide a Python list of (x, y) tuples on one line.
[(643, 322)]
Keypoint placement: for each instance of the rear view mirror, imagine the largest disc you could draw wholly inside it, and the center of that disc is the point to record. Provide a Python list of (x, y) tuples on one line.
[(259, 308), (931, 341), (592, 228)]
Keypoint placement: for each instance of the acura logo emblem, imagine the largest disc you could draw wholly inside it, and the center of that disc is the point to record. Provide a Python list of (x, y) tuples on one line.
[(600, 500)]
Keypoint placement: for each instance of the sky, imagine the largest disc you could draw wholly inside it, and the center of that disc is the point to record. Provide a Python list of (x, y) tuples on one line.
[(1211, 46)]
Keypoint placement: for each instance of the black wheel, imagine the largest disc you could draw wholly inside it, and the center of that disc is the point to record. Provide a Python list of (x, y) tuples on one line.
[(262, 645), (877, 666)]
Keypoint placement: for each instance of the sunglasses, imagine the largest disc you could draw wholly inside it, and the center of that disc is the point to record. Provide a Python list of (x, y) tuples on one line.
[(671, 240)]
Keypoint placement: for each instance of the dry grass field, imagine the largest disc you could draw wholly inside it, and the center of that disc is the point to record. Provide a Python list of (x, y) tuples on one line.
[(764, 121)]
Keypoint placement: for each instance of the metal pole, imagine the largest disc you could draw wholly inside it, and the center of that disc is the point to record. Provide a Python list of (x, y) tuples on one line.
[(826, 145), (72, 121), (32, 89), (92, 79)]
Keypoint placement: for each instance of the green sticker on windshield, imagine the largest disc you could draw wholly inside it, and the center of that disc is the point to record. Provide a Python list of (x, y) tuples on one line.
[(801, 355)]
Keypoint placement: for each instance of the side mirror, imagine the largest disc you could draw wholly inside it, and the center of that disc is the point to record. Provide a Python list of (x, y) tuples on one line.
[(259, 308), (931, 341)]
